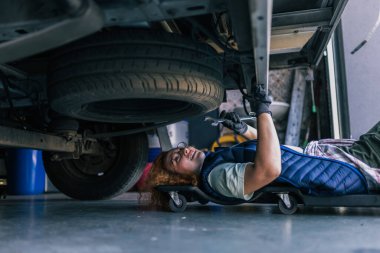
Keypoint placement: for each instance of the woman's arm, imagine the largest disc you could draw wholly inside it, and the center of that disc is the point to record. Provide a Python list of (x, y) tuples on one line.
[(267, 165), (251, 133)]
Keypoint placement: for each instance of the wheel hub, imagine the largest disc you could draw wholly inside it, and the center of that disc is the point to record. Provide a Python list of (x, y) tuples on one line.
[(97, 165)]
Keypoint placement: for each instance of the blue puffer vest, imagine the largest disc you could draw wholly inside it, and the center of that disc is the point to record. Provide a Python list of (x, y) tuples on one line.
[(313, 175)]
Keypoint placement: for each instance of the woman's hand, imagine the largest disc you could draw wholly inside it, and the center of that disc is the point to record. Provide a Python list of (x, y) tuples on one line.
[(233, 122), (261, 100)]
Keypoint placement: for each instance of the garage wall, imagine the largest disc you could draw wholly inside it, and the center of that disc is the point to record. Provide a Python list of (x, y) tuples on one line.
[(362, 68)]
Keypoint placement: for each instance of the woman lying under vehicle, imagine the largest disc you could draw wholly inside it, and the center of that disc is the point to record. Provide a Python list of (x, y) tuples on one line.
[(229, 177)]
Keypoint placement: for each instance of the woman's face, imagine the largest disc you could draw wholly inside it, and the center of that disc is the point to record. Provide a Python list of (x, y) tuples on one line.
[(185, 161)]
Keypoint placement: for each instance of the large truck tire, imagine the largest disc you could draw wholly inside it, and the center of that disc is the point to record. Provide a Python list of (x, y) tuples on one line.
[(103, 176), (125, 76)]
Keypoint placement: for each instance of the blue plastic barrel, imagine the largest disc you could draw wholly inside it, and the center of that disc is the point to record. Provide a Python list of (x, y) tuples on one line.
[(25, 172), (153, 153), (154, 147)]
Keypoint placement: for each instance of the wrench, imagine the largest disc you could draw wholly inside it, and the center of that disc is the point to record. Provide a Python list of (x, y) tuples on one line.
[(216, 122)]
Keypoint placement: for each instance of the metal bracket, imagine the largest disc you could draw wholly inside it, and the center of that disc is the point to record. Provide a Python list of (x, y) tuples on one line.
[(285, 198), (12, 137), (78, 150), (309, 75), (174, 196)]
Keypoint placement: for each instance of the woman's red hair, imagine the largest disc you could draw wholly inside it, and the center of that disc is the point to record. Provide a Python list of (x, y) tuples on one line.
[(159, 175)]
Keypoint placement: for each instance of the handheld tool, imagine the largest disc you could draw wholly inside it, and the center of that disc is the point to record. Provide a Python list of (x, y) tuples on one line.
[(216, 122)]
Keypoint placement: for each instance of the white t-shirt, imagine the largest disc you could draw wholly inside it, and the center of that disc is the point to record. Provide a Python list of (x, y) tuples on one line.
[(228, 180)]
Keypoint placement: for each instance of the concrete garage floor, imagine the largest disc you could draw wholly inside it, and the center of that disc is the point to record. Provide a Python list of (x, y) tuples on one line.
[(54, 223)]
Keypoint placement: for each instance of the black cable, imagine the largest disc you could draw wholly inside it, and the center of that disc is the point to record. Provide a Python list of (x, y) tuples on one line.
[(245, 95), (245, 106)]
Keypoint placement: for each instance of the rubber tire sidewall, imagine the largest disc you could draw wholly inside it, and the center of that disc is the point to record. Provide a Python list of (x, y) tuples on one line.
[(135, 64)]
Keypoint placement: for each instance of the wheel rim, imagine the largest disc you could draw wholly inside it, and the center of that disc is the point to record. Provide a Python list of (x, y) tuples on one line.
[(97, 165)]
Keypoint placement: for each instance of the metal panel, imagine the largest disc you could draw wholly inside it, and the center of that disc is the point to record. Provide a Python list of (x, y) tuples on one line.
[(87, 20), (292, 30), (301, 19), (291, 42), (296, 107), (129, 12)]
